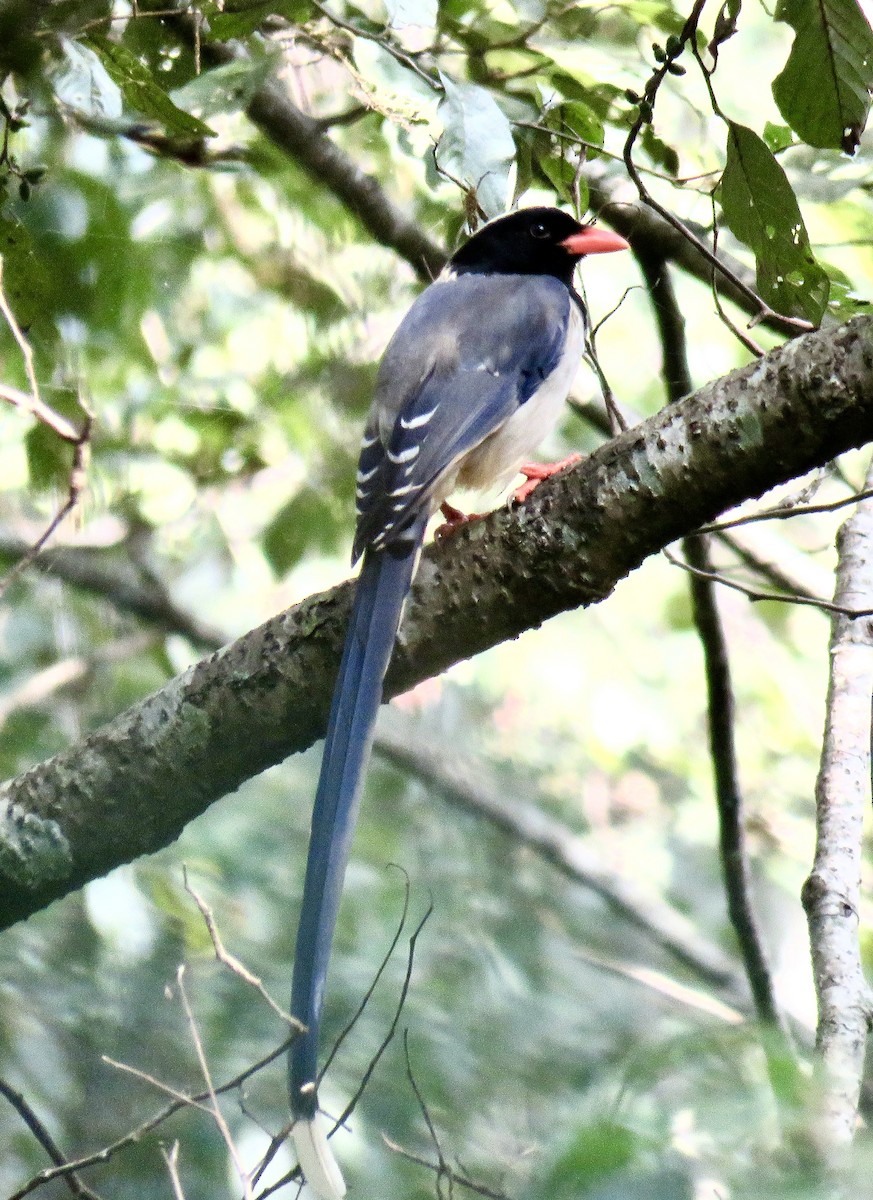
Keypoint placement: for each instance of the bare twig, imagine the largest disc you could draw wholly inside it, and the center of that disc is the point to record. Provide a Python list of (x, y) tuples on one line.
[(76, 487), (665, 987), (181, 1100), (365, 1000), (755, 595), (741, 335), (233, 963), (732, 837), (171, 1158), (200, 1102), (395, 1020), (831, 894), (34, 405), (45, 1139), (787, 579), (214, 1106), (385, 42), (371, 1066), (442, 1171), (783, 512), (443, 1167), (30, 402), (99, 571)]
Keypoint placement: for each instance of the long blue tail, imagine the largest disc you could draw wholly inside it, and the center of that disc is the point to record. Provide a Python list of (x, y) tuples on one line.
[(383, 585)]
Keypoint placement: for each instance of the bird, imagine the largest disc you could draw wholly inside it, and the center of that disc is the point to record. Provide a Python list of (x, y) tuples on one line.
[(474, 377)]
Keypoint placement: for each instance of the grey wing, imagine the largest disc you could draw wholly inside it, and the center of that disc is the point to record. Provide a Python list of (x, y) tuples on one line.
[(468, 354)]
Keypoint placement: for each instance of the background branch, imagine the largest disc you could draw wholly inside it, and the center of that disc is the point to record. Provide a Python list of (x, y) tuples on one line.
[(831, 894), (469, 786), (733, 848)]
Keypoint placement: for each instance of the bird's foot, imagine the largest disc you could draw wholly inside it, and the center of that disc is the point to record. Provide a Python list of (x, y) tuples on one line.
[(454, 519), (535, 473)]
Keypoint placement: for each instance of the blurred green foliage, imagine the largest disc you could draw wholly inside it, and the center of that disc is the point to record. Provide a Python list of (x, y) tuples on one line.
[(220, 312)]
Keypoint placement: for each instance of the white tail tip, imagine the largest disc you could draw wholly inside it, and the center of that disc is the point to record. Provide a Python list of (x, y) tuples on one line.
[(320, 1168)]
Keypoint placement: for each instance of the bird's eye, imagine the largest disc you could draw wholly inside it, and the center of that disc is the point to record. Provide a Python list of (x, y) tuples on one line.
[(539, 231)]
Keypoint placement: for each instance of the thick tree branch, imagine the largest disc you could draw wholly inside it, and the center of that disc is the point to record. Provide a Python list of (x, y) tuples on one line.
[(131, 786), (831, 894)]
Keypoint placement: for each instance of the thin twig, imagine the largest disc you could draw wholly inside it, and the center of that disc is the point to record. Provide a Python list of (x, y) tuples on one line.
[(171, 1158), (732, 837), (794, 598), (385, 43), (365, 1000), (23, 344), (180, 1101), (783, 512), (392, 1028), (233, 963), (96, 569), (214, 1106), (441, 1168), (740, 334), (371, 1067), (479, 1189), (45, 1139), (32, 404), (200, 1102), (444, 1169)]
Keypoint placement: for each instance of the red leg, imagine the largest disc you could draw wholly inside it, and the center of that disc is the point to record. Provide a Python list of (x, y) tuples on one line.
[(454, 519), (535, 473)]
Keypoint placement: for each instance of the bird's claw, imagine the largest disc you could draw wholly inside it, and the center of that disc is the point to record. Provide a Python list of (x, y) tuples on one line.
[(535, 473)]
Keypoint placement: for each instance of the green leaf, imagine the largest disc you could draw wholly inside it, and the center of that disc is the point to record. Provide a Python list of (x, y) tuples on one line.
[(578, 118), (762, 211), (661, 154), (778, 137), (141, 92), (844, 303), (598, 1151), (476, 147), (224, 89), (561, 174), (239, 18), (823, 90), (305, 523), (49, 458), (24, 281)]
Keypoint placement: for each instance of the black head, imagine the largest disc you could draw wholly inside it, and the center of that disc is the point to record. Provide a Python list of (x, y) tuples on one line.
[(533, 241)]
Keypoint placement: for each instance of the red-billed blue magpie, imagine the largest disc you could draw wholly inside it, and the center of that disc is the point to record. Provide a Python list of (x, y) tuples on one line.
[(472, 380)]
